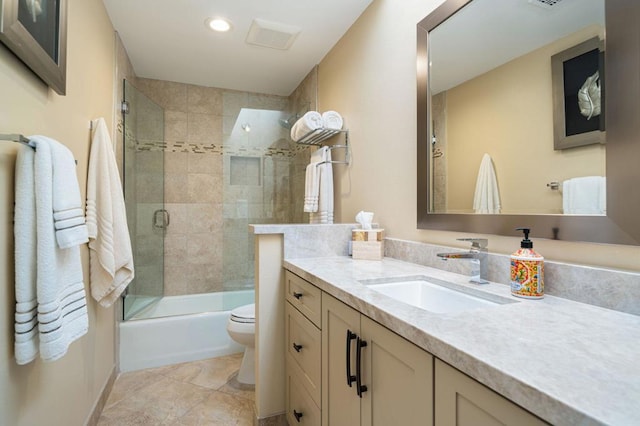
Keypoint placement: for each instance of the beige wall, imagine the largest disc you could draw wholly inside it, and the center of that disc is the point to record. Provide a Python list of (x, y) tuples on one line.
[(370, 77), (62, 392), (515, 127)]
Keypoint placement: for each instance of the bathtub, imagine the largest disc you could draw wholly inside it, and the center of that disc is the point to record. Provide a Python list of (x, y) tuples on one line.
[(180, 329)]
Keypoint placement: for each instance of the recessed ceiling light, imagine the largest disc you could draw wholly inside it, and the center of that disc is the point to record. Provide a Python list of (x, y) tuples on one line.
[(218, 24)]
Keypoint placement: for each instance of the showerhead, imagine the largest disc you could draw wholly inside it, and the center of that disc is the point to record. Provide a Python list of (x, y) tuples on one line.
[(289, 122)]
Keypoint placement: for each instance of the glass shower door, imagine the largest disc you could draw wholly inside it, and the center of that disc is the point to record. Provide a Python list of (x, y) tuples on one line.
[(144, 197)]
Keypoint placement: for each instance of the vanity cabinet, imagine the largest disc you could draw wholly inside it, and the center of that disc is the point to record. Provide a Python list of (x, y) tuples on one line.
[(462, 401), (370, 374), (344, 369)]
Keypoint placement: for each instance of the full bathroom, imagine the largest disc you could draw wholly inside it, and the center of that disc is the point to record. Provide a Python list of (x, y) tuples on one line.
[(240, 303)]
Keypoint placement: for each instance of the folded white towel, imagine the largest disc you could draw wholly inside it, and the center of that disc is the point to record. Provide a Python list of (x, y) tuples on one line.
[(110, 253), (309, 122), (585, 195), (486, 199), (62, 310), (24, 233), (311, 188), (67, 202), (324, 213), (332, 120)]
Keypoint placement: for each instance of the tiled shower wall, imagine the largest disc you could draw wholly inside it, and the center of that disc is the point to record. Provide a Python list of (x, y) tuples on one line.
[(218, 178)]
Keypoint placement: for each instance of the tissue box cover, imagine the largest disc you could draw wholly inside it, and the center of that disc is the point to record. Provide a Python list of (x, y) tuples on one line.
[(367, 244)]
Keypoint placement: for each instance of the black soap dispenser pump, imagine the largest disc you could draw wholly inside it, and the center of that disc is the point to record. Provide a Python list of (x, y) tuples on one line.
[(527, 270)]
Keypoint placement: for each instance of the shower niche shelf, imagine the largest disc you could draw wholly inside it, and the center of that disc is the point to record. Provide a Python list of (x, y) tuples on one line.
[(318, 136)]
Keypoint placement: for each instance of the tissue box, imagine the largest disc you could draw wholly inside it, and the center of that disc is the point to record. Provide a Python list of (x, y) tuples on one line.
[(367, 244)]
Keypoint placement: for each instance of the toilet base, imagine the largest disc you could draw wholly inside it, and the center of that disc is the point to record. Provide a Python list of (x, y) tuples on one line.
[(246, 374)]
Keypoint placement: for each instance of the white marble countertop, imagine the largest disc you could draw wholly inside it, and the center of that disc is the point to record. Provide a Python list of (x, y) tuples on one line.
[(567, 362)]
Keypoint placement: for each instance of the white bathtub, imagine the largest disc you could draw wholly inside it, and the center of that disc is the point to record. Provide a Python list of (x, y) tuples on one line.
[(180, 329)]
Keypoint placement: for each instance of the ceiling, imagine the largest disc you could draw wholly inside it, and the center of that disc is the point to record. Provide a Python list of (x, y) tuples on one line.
[(168, 40)]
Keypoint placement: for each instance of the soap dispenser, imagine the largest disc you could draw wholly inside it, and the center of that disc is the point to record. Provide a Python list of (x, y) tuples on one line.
[(527, 270)]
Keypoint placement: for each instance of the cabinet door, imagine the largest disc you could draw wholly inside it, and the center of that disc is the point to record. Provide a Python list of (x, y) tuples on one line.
[(340, 404), (399, 379), (462, 401)]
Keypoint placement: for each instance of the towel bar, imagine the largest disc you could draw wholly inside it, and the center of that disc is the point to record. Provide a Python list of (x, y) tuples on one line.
[(14, 137)]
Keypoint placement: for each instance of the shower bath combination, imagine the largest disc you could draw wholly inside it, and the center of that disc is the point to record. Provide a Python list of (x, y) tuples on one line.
[(192, 273)]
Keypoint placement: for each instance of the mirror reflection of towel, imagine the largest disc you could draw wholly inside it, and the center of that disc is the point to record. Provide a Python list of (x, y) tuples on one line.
[(487, 197), (585, 195)]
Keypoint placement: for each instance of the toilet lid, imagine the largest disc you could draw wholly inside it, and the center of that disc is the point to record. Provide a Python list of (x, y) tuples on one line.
[(244, 314)]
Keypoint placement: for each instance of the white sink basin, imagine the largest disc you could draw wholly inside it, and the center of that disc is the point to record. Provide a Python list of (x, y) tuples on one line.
[(426, 294)]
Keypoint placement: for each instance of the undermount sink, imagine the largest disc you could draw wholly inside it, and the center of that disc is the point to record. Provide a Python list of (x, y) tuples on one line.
[(434, 295)]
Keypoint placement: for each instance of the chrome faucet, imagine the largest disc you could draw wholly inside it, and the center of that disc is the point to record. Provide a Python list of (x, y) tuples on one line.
[(478, 256)]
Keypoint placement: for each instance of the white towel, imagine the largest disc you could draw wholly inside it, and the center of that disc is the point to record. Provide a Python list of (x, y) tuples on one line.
[(24, 233), (332, 120), (324, 213), (68, 214), (486, 199), (110, 254), (309, 122), (585, 195), (62, 310), (311, 187)]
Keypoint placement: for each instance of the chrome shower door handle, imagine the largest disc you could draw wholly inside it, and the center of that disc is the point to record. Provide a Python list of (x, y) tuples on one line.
[(161, 219)]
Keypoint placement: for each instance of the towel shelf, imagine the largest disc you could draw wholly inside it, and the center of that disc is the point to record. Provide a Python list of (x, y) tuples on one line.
[(14, 137), (317, 136)]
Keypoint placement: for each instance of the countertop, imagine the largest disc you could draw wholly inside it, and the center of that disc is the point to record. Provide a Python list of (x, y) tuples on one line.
[(564, 361)]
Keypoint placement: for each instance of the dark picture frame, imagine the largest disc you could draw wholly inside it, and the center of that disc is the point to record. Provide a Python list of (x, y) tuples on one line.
[(36, 32), (570, 70)]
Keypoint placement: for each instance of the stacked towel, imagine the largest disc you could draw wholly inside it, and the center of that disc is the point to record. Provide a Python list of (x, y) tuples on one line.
[(110, 253), (486, 199), (309, 122), (332, 120), (59, 288), (585, 195), (323, 212)]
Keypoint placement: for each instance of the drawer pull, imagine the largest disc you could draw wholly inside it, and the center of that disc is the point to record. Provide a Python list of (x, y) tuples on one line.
[(360, 388), (297, 295), (297, 347), (350, 337), (297, 415)]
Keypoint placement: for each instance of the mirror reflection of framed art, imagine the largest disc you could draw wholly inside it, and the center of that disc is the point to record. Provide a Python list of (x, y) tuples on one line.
[(35, 31)]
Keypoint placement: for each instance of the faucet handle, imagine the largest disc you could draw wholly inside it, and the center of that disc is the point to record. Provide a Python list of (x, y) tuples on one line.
[(476, 243)]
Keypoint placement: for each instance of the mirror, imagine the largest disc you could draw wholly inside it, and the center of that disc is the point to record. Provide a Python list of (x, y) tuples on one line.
[(486, 86)]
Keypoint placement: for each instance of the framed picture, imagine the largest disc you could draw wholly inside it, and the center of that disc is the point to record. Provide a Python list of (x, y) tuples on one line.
[(577, 78), (36, 32)]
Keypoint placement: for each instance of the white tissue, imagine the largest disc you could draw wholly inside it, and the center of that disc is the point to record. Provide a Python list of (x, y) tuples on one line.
[(365, 219)]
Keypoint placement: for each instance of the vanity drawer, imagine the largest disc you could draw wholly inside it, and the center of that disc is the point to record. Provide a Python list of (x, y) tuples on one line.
[(304, 296), (304, 350), (301, 409)]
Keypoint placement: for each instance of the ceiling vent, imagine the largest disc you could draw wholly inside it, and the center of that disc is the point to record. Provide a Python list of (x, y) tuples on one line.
[(546, 4), (272, 34)]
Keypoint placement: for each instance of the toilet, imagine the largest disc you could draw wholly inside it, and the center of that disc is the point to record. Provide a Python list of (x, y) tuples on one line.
[(241, 326)]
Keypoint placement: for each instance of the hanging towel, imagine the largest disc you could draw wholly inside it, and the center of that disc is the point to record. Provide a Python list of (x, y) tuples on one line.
[(62, 309), (24, 234), (486, 199), (332, 120), (110, 254), (585, 195), (311, 187), (324, 213), (309, 122)]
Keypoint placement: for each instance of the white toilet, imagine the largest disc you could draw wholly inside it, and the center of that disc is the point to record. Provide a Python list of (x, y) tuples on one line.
[(242, 328)]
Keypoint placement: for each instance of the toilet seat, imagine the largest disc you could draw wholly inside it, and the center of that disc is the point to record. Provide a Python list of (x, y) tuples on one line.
[(244, 314)]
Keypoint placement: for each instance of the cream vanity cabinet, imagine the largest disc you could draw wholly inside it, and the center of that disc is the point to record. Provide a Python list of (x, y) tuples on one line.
[(371, 375), (344, 369)]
